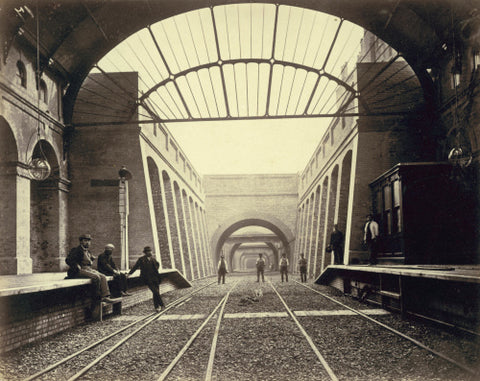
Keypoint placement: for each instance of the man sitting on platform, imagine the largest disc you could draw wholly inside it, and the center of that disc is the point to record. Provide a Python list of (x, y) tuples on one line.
[(107, 266), (80, 260)]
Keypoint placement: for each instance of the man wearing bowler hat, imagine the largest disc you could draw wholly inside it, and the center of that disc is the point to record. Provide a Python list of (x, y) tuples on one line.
[(149, 274), (80, 261), (107, 266)]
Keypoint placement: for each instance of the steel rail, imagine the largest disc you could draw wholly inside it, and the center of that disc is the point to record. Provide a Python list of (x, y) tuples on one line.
[(416, 342), (180, 354), (175, 303), (125, 339), (213, 347), (307, 336)]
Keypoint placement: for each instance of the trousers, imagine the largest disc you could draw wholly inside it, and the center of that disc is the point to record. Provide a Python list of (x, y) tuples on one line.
[(154, 286), (98, 279), (260, 272)]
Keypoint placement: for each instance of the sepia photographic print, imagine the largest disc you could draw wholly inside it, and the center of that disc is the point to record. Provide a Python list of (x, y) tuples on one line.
[(239, 190)]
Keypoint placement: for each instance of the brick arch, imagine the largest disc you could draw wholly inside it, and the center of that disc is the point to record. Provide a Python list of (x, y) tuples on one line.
[(276, 254), (8, 145), (231, 254), (8, 201), (172, 221), (252, 218)]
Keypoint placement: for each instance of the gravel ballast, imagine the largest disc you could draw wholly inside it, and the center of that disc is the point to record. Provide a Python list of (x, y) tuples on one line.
[(253, 347)]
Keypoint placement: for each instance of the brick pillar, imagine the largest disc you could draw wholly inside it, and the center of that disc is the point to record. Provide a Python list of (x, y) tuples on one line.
[(189, 234), (172, 222), (158, 208), (182, 232), (319, 232), (310, 232), (313, 248), (199, 240), (323, 223), (305, 226), (208, 259), (193, 225), (344, 191), (44, 217), (302, 229), (15, 217), (330, 218)]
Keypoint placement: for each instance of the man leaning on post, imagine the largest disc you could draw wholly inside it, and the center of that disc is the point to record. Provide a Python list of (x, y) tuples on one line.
[(80, 261)]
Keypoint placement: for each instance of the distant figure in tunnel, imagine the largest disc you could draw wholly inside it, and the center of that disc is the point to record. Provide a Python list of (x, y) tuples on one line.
[(80, 261), (149, 274), (222, 269), (370, 237), (107, 266), (260, 267), (284, 267), (302, 267), (336, 244)]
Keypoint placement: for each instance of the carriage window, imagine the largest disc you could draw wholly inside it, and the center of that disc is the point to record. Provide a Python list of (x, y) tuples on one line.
[(396, 193), (387, 209), (387, 197), (397, 221)]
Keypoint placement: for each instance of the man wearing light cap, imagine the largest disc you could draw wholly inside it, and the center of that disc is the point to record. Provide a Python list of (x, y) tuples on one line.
[(107, 266), (80, 261)]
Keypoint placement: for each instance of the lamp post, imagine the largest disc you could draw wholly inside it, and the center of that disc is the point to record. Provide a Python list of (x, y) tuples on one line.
[(123, 209)]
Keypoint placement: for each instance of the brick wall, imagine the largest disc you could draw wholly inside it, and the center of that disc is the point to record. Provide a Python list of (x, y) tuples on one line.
[(30, 317)]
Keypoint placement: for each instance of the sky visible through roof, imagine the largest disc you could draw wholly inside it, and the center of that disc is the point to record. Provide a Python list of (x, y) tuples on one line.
[(249, 147)]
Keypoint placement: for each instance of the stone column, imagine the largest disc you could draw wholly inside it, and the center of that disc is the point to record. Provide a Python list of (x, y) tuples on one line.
[(15, 217), (191, 212)]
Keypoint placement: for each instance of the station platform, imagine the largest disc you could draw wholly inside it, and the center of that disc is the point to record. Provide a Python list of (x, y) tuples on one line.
[(456, 273), (447, 294), (34, 306), (30, 283)]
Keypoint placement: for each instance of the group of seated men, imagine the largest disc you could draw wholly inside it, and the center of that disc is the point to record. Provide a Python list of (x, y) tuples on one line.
[(80, 261)]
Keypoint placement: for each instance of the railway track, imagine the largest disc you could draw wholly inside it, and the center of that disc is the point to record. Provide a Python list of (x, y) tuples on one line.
[(327, 367), (443, 356), (146, 320)]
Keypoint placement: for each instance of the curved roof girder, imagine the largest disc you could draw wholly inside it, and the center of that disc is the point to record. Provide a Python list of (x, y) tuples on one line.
[(319, 72)]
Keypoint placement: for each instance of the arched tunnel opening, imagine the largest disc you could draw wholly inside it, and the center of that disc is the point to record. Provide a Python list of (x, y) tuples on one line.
[(242, 242)]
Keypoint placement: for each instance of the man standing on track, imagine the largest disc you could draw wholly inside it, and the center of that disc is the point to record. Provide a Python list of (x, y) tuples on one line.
[(260, 267), (302, 267), (149, 274), (284, 267), (222, 269)]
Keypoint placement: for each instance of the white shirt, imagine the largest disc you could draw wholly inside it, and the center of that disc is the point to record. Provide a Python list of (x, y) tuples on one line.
[(373, 226)]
